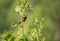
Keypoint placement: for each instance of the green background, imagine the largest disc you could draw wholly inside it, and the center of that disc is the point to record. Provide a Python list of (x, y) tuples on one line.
[(47, 9)]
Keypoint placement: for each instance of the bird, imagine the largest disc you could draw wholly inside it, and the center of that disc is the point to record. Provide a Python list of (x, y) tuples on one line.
[(23, 19)]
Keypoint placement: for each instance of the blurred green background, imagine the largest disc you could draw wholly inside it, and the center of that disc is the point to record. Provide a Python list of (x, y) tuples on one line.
[(5, 5), (48, 9), (7, 14)]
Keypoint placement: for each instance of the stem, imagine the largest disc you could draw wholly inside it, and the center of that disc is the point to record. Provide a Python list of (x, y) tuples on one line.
[(23, 32), (37, 33)]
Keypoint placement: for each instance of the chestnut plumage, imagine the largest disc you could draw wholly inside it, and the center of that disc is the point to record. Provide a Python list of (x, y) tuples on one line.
[(23, 19)]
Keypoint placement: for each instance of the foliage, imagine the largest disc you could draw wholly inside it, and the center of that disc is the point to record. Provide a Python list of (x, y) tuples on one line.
[(34, 35), (23, 7), (35, 32)]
